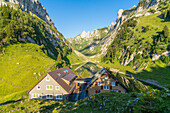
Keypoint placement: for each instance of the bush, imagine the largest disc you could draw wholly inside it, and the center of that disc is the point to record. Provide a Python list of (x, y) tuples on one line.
[(152, 11), (145, 29), (165, 59), (166, 31)]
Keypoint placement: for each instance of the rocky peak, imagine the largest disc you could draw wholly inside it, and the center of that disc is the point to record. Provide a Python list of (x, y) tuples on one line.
[(145, 4), (111, 27), (32, 6), (120, 12), (85, 35)]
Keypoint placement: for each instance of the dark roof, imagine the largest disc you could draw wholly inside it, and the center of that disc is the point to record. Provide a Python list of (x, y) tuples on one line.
[(57, 76), (100, 73), (84, 79), (69, 77)]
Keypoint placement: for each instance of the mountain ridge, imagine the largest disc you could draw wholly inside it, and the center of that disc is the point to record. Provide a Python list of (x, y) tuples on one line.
[(31, 6)]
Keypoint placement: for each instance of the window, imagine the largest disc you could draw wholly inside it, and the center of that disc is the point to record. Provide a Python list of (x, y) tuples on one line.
[(113, 84), (49, 96), (65, 71), (97, 91), (59, 97), (57, 87), (106, 77), (38, 88), (99, 83), (49, 87), (106, 87), (47, 79), (59, 74), (37, 96)]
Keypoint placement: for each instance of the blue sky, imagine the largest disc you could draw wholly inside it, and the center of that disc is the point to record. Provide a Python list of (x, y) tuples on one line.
[(71, 17)]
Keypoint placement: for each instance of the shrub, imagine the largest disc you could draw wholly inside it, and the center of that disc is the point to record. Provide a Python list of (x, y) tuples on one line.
[(145, 29), (166, 31), (152, 11), (165, 59)]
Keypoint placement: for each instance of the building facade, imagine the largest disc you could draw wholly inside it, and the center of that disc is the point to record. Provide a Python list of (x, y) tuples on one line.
[(56, 85), (104, 81)]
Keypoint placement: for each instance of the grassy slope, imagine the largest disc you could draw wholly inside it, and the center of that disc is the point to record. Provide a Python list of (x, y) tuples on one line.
[(155, 23), (93, 104), (105, 102), (74, 58), (32, 65)]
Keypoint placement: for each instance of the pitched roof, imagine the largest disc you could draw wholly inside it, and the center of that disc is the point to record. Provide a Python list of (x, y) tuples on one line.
[(57, 76), (100, 73), (69, 77)]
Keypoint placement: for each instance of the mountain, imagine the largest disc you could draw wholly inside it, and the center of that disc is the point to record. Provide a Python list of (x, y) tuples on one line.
[(90, 43), (138, 40), (17, 25), (142, 40), (30, 6)]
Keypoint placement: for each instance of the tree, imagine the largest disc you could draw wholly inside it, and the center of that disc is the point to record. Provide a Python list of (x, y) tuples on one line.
[(165, 14), (166, 31), (85, 74), (59, 58)]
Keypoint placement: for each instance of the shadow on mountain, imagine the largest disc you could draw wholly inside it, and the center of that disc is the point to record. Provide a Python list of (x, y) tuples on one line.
[(49, 108), (88, 51), (157, 74), (92, 71), (161, 16), (10, 102)]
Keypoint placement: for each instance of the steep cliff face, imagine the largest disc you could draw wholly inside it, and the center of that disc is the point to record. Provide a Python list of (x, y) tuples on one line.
[(33, 6)]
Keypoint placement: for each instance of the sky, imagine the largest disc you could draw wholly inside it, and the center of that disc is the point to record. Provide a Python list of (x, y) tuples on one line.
[(72, 17)]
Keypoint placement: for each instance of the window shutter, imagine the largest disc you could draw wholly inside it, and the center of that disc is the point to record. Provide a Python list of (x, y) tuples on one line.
[(116, 83), (110, 87), (101, 87), (96, 92), (96, 83), (108, 77)]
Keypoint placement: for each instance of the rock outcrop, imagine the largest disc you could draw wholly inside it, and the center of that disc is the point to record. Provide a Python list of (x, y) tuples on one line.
[(31, 6)]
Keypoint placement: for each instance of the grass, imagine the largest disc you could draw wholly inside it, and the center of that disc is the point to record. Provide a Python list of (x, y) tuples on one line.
[(155, 23), (158, 72), (112, 101), (29, 106), (74, 58), (117, 65), (91, 68), (22, 65)]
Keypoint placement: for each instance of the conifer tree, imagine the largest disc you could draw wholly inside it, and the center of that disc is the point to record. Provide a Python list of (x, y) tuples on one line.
[(59, 58), (166, 31)]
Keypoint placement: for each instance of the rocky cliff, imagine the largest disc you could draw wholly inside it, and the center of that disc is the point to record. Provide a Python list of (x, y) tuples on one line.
[(31, 6)]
